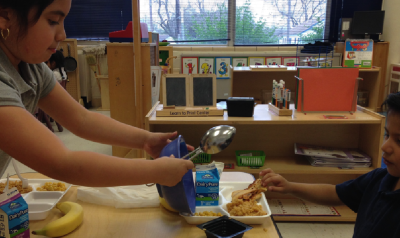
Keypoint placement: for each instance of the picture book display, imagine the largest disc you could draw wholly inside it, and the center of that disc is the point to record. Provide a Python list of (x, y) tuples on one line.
[(256, 60), (298, 207), (273, 60), (358, 53), (206, 65), (290, 61), (190, 65), (222, 67), (239, 61)]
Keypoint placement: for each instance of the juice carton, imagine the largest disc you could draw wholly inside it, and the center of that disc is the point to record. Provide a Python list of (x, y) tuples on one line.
[(207, 185), (14, 217)]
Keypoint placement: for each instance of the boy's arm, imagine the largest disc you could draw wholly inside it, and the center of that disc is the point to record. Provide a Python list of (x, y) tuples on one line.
[(324, 194), (317, 193)]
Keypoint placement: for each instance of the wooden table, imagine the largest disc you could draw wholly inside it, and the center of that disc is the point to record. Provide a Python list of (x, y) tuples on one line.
[(108, 222)]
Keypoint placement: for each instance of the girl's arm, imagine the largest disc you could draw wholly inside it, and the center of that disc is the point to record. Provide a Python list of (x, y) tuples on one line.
[(26, 139)]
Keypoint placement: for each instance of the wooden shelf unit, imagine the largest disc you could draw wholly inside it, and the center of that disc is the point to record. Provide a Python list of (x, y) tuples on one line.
[(250, 83), (276, 137)]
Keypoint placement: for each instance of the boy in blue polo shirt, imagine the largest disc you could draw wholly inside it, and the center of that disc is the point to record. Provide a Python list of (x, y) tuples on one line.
[(374, 196)]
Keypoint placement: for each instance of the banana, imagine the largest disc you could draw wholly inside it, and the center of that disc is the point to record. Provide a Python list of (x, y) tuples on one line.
[(70, 221)]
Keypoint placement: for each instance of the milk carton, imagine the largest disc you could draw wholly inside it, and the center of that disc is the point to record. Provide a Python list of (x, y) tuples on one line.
[(14, 218), (207, 185)]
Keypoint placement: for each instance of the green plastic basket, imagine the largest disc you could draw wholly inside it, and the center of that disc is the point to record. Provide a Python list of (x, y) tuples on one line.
[(202, 158), (256, 159)]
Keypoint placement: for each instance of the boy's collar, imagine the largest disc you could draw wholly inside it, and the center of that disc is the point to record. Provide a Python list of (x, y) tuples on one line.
[(387, 184)]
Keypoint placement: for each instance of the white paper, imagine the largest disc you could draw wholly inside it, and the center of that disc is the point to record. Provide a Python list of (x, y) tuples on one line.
[(155, 75)]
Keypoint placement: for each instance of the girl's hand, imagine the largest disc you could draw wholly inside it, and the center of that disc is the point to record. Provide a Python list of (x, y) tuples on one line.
[(171, 170), (279, 183), (155, 142)]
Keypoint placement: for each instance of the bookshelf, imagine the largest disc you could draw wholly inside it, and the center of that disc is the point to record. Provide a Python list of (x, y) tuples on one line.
[(276, 137)]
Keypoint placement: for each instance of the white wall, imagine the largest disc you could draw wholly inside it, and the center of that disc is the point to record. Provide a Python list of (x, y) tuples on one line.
[(391, 33)]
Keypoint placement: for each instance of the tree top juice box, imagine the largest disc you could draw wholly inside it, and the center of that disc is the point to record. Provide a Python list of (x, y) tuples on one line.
[(14, 217), (207, 185)]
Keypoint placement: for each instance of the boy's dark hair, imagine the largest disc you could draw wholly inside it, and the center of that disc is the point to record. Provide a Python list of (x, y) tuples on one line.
[(392, 103), (22, 9), (57, 57)]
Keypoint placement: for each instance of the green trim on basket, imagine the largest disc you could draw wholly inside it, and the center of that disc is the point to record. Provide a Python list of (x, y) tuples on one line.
[(257, 158), (202, 158)]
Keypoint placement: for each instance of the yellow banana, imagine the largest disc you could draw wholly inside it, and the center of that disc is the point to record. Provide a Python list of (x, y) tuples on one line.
[(70, 221)]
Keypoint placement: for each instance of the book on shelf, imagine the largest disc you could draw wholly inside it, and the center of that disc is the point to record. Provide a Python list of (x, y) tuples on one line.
[(321, 156), (324, 162), (348, 155)]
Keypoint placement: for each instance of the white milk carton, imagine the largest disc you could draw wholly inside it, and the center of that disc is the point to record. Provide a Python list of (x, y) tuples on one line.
[(14, 217), (207, 185)]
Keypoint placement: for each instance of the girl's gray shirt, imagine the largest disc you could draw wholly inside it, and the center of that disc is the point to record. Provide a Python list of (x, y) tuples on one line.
[(22, 90)]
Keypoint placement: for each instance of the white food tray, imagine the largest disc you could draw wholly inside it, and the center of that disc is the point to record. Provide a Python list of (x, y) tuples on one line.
[(40, 202), (225, 197)]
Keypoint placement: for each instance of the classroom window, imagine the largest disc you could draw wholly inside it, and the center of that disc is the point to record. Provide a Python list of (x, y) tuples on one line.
[(244, 22), (205, 22)]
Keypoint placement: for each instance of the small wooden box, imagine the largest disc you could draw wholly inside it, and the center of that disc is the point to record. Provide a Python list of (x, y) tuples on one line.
[(280, 112)]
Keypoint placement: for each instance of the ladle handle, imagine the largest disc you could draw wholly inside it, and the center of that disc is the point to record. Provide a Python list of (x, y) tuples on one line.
[(196, 154), (196, 151)]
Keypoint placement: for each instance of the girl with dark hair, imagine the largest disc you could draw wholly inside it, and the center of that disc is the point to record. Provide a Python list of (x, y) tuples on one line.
[(31, 31), (374, 195), (56, 63)]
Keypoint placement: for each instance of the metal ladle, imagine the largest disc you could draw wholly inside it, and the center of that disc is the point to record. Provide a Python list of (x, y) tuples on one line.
[(215, 140)]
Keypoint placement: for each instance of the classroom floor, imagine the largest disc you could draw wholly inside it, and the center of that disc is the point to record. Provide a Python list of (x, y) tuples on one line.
[(287, 229)]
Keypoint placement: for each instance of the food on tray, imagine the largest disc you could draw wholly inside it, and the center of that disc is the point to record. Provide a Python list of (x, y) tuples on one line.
[(52, 186), (17, 184), (208, 214), (244, 201)]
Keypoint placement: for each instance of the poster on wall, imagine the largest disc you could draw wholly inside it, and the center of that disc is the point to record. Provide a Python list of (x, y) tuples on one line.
[(222, 65), (190, 65), (358, 53), (256, 60), (239, 61), (273, 60), (290, 61), (206, 65), (155, 83)]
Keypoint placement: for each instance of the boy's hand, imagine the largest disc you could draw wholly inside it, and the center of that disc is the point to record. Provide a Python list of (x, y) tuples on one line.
[(279, 183)]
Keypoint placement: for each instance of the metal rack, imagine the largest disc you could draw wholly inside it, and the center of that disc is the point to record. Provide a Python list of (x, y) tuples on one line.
[(320, 56)]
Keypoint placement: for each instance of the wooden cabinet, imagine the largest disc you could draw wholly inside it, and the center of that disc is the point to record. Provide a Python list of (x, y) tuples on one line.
[(250, 83), (276, 136), (130, 99)]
